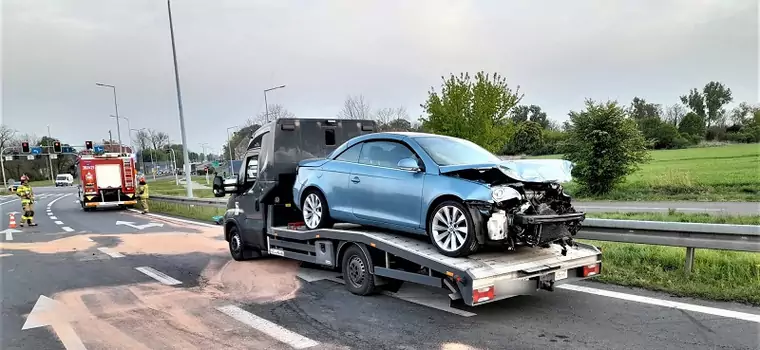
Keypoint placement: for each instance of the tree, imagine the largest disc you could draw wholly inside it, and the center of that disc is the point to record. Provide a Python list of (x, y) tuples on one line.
[(393, 119), (530, 113), (674, 113), (527, 139), (158, 139), (6, 136), (604, 145), (276, 111), (709, 103), (692, 126), (640, 109), (355, 108), (473, 110)]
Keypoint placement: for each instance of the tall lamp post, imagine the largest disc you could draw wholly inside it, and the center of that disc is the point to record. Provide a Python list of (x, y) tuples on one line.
[(50, 152), (266, 105), (129, 127), (229, 149), (116, 107), (185, 153)]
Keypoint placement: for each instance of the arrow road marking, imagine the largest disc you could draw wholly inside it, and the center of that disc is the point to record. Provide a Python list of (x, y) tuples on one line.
[(139, 227), (9, 233), (48, 312)]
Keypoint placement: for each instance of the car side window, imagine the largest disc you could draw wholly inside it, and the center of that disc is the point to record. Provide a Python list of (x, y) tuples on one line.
[(252, 168), (351, 154), (384, 153)]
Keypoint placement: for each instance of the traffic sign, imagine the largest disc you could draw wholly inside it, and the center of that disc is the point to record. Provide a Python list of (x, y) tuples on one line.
[(98, 149), (36, 150), (53, 156), (8, 158), (30, 157)]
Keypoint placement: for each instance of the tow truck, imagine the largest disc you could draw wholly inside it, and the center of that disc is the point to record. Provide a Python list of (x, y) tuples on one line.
[(106, 180), (261, 220)]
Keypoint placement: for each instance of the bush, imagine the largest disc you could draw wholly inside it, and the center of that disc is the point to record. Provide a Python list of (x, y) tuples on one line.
[(605, 146), (692, 127), (527, 139)]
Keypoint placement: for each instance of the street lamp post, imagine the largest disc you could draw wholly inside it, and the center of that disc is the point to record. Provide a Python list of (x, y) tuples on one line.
[(266, 105), (205, 157), (185, 153), (50, 152), (129, 126), (116, 107), (174, 165)]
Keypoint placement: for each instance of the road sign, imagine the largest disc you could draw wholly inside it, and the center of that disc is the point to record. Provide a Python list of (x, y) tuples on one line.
[(98, 149), (30, 157), (9, 158), (53, 156), (37, 150)]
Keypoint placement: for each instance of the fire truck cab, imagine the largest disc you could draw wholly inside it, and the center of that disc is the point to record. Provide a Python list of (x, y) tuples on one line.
[(106, 180)]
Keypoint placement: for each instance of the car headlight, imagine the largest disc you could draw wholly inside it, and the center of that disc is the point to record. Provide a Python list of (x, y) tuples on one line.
[(504, 193)]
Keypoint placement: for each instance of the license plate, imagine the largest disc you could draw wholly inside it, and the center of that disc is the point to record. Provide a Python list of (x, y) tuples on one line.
[(560, 275)]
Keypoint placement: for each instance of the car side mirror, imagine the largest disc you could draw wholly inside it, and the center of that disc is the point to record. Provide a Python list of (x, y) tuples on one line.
[(221, 187), (409, 164)]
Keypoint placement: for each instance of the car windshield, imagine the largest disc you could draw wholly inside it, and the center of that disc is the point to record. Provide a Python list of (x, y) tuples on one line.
[(452, 151), (61, 177)]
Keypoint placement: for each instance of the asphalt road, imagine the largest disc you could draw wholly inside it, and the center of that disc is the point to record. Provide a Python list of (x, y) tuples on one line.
[(172, 285), (731, 208)]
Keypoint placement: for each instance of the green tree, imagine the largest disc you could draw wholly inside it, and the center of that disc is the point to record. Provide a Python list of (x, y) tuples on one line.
[(605, 146), (527, 139), (473, 110), (708, 104), (692, 126)]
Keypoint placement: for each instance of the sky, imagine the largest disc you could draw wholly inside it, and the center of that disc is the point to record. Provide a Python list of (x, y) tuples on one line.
[(391, 51)]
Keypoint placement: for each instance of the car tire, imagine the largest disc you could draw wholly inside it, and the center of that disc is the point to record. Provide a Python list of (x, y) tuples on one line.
[(356, 271), (448, 215), (238, 249), (314, 201)]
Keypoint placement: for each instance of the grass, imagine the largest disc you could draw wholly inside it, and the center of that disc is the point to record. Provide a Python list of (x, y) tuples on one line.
[(719, 173), (717, 275), (167, 186)]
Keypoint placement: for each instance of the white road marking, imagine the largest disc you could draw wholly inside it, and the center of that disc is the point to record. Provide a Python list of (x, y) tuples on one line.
[(51, 216), (10, 201), (59, 222), (666, 303), (67, 229), (110, 253), (158, 275), (271, 329), (650, 209), (177, 219), (8, 235), (5, 255), (89, 239)]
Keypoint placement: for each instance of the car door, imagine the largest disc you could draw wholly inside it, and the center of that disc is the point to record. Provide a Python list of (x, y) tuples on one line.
[(250, 211), (383, 193), (335, 182)]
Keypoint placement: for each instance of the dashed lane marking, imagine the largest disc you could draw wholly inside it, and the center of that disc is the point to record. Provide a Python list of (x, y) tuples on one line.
[(59, 222), (5, 255), (158, 275), (53, 217), (67, 229), (110, 252), (271, 329), (666, 303)]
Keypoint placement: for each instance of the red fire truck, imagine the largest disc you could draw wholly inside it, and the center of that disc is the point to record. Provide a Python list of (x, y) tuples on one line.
[(106, 179)]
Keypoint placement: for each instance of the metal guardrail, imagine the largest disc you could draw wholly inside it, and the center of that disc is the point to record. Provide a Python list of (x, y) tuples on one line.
[(674, 234)]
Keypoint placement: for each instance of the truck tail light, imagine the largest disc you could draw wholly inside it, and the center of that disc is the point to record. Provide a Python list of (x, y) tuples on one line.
[(483, 294), (591, 270)]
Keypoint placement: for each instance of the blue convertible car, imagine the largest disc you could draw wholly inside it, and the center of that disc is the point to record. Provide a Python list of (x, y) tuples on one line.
[(452, 190)]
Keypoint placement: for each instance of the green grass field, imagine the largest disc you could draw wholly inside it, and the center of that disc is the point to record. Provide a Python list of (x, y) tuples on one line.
[(721, 173), (167, 186)]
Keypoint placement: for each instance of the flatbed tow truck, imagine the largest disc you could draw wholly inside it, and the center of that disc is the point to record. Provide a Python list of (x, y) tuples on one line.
[(261, 220)]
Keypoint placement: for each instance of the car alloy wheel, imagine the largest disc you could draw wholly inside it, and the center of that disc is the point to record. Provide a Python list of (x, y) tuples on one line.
[(312, 211), (450, 228)]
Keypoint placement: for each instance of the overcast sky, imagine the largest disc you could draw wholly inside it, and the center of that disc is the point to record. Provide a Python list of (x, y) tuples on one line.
[(392, 52)]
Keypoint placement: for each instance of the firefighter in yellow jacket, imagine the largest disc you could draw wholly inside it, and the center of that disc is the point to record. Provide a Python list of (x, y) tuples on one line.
[(27, 202), (143, 192)]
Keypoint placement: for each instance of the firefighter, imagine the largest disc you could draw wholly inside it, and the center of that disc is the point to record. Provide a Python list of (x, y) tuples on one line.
[(27, 201), (143, 191)]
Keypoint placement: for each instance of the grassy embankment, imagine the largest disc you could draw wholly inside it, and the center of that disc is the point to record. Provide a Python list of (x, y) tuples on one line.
[(167, 186), (721, 173)]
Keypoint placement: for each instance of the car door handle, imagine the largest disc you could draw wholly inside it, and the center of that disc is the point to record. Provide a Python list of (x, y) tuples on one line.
[(355, 179)]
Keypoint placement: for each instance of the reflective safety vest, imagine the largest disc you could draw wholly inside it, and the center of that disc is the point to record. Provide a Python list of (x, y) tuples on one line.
[(25, 192), (143, 191)]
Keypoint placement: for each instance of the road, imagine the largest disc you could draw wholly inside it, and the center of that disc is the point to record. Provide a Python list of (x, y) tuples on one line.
[(81, 281), (731, 208)]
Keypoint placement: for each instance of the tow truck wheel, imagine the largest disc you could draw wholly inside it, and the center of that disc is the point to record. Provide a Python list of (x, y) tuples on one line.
[(356, 274), (452, 230)]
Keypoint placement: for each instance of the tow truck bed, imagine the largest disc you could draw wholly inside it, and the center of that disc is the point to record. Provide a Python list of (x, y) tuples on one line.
[(476, 280)]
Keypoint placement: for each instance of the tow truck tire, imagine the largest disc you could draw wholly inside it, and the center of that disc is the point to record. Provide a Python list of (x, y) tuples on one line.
[(238, 249), (356, 267), (447, 209)]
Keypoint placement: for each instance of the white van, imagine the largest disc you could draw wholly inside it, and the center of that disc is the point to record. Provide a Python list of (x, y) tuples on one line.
[(64, 180)]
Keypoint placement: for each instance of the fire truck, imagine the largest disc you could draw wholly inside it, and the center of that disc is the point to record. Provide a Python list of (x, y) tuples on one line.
[(106, 180)]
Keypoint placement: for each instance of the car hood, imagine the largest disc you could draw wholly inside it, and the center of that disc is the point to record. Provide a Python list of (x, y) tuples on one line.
[(523, 170)]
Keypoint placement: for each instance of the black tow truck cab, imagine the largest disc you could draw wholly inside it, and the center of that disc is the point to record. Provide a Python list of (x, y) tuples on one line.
[(261, 219)]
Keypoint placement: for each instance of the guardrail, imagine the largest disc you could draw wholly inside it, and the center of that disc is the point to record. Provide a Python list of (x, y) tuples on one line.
[(674, 234)]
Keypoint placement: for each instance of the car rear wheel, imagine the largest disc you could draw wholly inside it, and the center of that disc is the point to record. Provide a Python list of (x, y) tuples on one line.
[(452, 230), (315, 211)]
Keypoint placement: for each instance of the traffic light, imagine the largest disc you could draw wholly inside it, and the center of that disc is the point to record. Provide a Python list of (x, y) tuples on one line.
[(57, 147), (88, 145), (25, 147)]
